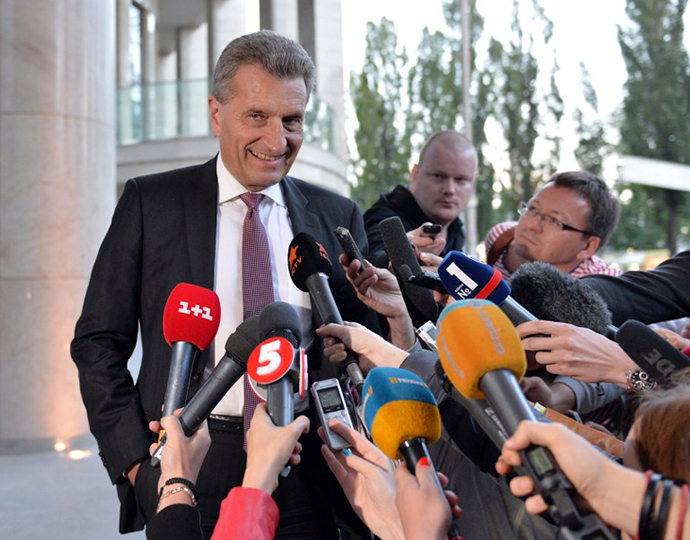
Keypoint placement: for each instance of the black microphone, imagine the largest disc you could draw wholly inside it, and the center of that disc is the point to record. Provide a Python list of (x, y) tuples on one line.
[(551, 295), (656, 356), (273, 362), (310, 269), (227, 372), (418, 300)]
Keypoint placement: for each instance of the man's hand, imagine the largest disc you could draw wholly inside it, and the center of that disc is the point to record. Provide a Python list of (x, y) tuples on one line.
[(425, 242), (373, 350), (558, 397), (577, 352)]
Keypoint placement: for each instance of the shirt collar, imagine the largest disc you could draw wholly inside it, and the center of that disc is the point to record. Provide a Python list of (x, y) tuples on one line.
[(229, 188)]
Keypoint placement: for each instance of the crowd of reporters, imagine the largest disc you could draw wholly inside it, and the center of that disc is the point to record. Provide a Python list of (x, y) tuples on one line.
[(399, 505)]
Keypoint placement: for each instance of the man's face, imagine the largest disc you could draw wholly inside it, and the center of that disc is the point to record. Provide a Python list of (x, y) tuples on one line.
[(260, 126), (443, 183), (537, 239)]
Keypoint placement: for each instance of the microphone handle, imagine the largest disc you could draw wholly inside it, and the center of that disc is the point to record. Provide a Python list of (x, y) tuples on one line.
[(414, 450), (183, 354), (511, 407), (280, 402), (221, 379), (328, 312), (506, 398), (515, 312)]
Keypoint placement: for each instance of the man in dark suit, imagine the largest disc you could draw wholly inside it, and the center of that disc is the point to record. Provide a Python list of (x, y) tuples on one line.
[(186, 226)]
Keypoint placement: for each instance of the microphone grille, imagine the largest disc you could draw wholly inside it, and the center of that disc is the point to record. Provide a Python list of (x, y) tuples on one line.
[(306, 257), (192, 314)]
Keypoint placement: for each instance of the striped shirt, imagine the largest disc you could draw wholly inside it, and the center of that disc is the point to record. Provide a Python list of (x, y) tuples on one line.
[(593, 265)]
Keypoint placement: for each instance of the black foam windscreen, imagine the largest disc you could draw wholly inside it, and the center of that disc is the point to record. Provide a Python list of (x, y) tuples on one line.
[(551, 295), (418, 300), (307, 257), (651, 352), (243, 340), (280, 319)]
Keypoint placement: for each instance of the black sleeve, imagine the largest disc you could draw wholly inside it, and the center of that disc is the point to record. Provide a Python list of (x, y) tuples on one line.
[(179, 521), (650, 296), (105, 336), (376, 252)]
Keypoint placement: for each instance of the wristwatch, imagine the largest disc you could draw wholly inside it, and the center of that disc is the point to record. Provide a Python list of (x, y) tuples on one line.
[(638, 381)]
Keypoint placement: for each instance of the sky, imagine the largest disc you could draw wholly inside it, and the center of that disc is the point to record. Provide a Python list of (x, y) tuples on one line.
[(584, 31)]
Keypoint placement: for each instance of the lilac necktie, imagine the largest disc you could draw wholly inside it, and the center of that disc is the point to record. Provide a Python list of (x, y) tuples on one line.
[(257, 281)]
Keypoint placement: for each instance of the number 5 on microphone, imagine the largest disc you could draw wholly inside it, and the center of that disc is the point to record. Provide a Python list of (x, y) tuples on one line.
[(271, 360)]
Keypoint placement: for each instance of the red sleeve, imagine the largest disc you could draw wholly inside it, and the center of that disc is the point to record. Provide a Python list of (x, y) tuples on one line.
[(247, 513)]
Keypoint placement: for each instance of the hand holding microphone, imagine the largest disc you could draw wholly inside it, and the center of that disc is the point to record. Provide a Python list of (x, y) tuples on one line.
[(278, 364), (310, 270), (401, 415), (486, 361), (227, 372), (270, 448)]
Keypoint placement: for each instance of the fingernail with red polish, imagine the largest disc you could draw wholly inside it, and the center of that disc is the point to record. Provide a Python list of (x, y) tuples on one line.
[(424, 462)]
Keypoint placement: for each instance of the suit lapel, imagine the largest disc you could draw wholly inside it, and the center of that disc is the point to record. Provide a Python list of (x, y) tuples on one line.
[(201, 208), (301, 217)]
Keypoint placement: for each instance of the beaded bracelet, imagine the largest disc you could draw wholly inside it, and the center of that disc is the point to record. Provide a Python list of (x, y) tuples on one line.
[(184, 482), (646, 521), (177, 490)]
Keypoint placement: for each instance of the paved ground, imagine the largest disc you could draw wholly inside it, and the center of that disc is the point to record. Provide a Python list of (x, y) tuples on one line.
[(48, 495)]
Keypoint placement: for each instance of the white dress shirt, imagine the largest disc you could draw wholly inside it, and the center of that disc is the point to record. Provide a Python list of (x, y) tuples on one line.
[(228, 271)]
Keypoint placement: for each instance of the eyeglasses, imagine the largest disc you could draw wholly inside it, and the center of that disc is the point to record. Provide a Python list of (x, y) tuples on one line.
[(525, 209)]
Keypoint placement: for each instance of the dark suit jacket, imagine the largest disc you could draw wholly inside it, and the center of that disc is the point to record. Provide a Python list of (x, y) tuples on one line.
[(163, 232)]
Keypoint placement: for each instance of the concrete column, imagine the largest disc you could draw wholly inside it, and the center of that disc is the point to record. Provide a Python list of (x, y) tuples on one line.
[(328, 51), (57, 194), (227, 19), (281, 17), (192, 61)]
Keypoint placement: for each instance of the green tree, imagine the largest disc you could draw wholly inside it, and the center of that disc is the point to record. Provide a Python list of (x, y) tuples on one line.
[(383, 151), (655, 117), (591, 134), (526, 108)]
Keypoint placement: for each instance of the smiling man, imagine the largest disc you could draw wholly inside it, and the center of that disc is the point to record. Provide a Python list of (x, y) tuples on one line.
[(225, 225), (440, 189), (564, 224)]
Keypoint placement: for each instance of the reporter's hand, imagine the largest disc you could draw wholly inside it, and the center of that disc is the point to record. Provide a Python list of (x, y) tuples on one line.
[(427, 243), (373, 350), (425, 512), (677, 340), (585, 467), (270, 448), (576, 352), (376, 288), (556, 396), (366, 477), (183, 455)]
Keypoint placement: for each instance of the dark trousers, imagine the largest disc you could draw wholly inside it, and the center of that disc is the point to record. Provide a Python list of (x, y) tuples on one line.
[(305, 498)]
